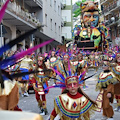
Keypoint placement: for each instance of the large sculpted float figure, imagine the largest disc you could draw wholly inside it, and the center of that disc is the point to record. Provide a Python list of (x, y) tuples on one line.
[(93, 34)]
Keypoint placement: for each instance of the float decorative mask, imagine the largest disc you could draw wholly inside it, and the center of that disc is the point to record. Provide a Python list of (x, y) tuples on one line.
[(90, 13)]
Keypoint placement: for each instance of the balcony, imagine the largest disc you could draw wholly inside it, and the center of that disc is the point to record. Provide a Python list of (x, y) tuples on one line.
[(34, 3), (17, 12), (103, 1), (114, 6), (63, 6), (62, 23), (112, 21)]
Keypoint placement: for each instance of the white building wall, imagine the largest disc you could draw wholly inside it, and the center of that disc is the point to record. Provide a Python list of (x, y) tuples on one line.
[(66, 15), (52, 19), (66, 32), (67, 2)]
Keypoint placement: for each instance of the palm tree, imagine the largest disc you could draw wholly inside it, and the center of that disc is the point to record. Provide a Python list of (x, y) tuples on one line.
[(77, 12)]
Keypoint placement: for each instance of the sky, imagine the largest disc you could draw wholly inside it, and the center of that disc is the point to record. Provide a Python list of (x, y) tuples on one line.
[(73, 1)]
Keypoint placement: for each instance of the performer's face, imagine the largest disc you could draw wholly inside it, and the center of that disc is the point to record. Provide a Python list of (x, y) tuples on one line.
[(66, 58), (91, 18), (40, 61), (80, 57), (118, 59), (72, 86), (105, 66), (53, 54)]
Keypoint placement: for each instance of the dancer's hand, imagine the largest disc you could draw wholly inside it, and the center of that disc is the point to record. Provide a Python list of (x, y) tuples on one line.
[(109, 95)]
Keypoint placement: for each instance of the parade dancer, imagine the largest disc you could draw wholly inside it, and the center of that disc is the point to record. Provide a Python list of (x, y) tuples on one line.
[(86, 58), (92, 60), (105, 85), (82, 65), (97, 61), (40, 82), (25, 66), (116, 70), (54, 61), (73, 103), (74, 61)]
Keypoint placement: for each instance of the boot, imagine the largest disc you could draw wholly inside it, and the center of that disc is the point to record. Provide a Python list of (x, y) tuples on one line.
[(46, 111), (43, 104), (42, 112), (39, 103)]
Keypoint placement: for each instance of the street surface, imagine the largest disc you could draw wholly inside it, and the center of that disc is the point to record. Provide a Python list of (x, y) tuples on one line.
[(30, 104)]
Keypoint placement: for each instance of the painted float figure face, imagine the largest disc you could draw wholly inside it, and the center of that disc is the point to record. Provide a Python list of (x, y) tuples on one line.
[(90, 14), (91, 19)]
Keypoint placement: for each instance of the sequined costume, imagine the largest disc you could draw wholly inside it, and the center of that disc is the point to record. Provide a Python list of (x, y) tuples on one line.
[(105, 85)]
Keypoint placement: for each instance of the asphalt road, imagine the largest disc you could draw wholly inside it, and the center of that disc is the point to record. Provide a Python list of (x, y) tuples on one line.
[(30, 104)]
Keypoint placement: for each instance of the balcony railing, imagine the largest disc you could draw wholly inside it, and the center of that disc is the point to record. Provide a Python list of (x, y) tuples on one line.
[(39, 2), (111, 22), (63, 6), (62, 23), (103, 1), (23, 14), (111, 7)]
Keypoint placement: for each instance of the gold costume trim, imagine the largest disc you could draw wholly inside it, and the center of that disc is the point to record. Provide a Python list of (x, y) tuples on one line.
[(68, 104)]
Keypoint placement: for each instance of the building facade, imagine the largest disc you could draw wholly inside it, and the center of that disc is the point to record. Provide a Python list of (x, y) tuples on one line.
[(68, 20), (52, 20), (111, 14), (24, 15)]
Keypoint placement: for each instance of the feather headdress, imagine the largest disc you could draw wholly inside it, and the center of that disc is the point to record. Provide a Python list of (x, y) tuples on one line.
[(64, 79)]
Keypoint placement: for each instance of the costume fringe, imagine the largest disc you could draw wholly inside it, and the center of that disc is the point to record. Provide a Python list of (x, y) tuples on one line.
[(85, 116), (116, 75), (105, 84)]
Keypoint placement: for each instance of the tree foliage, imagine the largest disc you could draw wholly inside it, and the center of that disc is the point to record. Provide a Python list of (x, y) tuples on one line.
[(77, 12)]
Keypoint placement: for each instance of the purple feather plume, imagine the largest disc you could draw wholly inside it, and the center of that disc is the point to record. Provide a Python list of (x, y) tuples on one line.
[(13, 59), (55, 86), (62, 77), (30, 50), (69, 69), (82, 75), (2, 11)]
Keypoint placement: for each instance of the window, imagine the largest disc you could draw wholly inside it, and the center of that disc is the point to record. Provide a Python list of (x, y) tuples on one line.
[(55, 5), (58, 10), (46, 48), (64, 34), (51, 24), (59, 31), (46, 19), (55, 27), (64, 1), (64, 18), (119, 32), (50, 2)]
